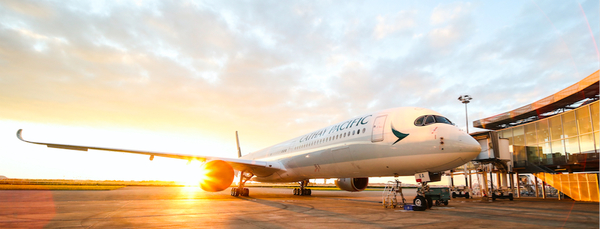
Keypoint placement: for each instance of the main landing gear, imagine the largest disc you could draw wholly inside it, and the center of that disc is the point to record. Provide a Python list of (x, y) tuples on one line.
[(240, 190), (302, 191)]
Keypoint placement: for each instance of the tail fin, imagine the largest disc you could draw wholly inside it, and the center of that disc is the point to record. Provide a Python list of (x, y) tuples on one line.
[(237, 141)]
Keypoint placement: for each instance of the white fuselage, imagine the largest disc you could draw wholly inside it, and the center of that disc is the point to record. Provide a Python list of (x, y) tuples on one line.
[(366, 146)]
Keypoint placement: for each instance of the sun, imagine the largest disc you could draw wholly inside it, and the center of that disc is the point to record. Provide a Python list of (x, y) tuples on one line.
[(193, 174)]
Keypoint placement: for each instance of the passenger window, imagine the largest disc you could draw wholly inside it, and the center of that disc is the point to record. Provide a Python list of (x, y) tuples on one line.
[(420, 121), (358, 132)]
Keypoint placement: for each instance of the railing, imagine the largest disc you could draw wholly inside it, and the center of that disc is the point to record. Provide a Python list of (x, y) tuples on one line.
[(580, 187)]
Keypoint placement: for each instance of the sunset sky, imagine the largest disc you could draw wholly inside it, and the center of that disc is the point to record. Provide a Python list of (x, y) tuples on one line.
[(183, 76)]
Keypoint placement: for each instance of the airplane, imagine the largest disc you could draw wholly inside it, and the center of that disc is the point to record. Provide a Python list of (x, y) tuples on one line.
[(394, 142)]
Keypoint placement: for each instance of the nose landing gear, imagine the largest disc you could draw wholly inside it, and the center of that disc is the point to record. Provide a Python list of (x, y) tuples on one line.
[(421, 201)]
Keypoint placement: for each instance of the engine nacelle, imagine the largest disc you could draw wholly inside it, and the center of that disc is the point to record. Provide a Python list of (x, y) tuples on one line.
[(218, 176), (352, 184)]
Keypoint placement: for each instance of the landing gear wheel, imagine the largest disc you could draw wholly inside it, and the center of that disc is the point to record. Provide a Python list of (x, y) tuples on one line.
[(307, 192), (420, 203), (429, 202), (510, 196), (235, 192), (453, 195), (466, 195), (302, 191), (245, 192)]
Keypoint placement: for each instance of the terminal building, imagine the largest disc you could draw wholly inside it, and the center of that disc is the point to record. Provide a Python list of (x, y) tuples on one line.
[(556, 138)]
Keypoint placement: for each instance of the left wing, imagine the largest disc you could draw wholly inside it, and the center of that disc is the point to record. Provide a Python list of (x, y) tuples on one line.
[(259, 168)]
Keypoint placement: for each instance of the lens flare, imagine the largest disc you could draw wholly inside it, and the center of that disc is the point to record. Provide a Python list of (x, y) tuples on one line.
[(194, 174), (212, 176)]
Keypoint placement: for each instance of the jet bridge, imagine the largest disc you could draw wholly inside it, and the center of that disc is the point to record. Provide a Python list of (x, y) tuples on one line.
[(495, 158)]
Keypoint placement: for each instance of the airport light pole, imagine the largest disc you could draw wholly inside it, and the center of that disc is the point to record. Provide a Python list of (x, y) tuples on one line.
[(466, 99)]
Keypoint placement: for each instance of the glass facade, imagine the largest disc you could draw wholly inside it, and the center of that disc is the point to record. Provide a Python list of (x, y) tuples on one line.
[(566, 138), (595, 124)]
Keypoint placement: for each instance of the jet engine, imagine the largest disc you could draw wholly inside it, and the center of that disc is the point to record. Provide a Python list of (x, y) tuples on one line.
[(218, 176), (352, 184)]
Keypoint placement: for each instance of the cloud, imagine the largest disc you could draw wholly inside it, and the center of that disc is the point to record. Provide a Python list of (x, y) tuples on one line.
[(401, 21), (275, 69), (449, 12), (452, 23)]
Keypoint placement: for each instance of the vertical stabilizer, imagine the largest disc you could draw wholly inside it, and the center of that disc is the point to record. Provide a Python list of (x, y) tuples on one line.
[(237, 141)]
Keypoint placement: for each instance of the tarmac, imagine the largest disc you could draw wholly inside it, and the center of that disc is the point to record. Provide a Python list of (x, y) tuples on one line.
[(190, 207)]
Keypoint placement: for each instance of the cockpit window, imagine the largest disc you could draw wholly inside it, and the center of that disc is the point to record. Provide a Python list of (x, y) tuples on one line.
[(440, 119), (420, 121), (430, 119)]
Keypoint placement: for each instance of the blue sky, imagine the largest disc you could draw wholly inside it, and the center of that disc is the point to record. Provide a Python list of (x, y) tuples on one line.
[(184, 76)]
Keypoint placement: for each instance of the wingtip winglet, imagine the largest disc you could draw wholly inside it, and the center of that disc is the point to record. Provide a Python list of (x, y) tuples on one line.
[(19, 135)]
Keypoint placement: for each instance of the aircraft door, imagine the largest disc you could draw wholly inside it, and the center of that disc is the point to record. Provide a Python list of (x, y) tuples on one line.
[(378, 125)]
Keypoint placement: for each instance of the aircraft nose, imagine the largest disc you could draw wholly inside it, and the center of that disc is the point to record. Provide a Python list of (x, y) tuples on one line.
[(469, 145)]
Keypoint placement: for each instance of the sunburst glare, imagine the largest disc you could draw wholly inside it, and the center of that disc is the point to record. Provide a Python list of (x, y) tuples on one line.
[(193, 175)]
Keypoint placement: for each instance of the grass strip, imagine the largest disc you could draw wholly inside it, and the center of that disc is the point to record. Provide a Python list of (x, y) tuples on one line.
[(59, 187), (318, 188)]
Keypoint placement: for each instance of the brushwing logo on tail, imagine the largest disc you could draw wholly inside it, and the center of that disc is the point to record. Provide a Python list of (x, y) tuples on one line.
[(398, 134)]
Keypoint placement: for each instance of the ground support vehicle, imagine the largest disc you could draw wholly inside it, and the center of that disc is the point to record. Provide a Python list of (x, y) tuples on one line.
[(502, 194), (437, 196), (461, 191)]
